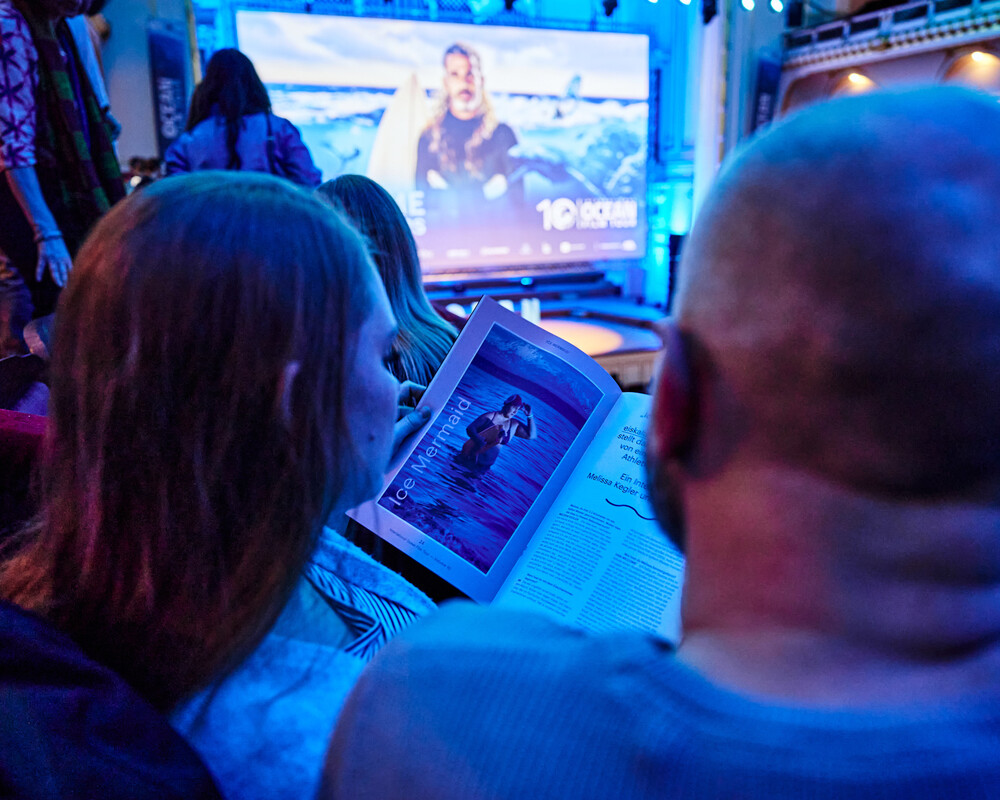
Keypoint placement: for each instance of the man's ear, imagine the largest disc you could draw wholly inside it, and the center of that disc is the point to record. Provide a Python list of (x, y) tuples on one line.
[(671, 431), (285, 386)]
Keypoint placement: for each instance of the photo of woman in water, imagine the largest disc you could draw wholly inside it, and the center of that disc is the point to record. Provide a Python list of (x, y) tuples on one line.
[(494, 429)]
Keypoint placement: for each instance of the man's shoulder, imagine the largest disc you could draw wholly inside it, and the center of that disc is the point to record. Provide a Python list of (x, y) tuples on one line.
[(527, 658), (494, 703), (465, 704)]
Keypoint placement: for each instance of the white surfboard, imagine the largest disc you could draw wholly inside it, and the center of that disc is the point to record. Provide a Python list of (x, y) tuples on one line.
[(393, 161)]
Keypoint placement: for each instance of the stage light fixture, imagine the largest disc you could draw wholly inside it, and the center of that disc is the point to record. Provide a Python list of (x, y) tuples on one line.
[(609, 7), (777, 6), (747, 4)]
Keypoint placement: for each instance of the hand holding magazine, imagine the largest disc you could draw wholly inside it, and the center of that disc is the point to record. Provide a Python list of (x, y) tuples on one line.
[(527, 485)]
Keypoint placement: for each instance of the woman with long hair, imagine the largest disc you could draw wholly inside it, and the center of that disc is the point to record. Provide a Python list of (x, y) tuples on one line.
[(219, 389), (424, 337), (230, 126)]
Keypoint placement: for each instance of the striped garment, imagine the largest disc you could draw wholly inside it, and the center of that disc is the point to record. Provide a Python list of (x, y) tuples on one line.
[(372, 619), (263, 728)]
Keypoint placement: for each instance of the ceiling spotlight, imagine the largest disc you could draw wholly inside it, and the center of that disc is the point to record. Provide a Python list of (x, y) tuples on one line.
[(609, 7), (777, 6), (747, 4)]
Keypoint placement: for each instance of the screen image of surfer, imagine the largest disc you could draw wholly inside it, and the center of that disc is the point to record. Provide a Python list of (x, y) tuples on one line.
[(463, 155), (485, 458), (503, 146)]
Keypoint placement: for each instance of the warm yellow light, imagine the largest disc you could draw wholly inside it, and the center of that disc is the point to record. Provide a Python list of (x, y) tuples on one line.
[(979, 57), (857, 78)]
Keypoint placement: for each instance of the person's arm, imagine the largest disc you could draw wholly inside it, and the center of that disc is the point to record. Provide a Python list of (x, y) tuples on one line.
[(503, 140), (52, 253), (423, 157), (294, 156), (17, 147), (176, 160), (428, 177), (527, 431)]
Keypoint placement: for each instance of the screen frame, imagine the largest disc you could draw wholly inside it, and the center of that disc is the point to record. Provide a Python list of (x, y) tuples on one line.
[(384, 12)]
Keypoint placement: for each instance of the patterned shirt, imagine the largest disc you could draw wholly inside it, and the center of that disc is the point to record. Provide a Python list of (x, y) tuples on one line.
[(18, 82)]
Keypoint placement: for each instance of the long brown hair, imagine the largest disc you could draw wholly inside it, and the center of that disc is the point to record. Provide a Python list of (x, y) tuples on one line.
[(424, 337), (181, 495)]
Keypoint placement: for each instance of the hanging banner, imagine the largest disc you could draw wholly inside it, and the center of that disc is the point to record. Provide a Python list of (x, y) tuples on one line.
[(766, 94), (168, 73)]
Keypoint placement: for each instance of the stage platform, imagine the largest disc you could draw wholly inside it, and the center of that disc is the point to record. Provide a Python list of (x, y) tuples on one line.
[(616, 333), (586, 311)]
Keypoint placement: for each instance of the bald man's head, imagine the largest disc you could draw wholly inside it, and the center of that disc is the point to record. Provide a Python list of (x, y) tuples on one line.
[(843, 280)]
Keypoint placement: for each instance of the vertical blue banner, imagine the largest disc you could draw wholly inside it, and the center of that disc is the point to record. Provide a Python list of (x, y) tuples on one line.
[(168, 73), (766, 94)]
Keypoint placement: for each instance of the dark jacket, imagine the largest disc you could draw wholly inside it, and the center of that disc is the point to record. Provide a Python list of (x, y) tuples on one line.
[(70, 728)]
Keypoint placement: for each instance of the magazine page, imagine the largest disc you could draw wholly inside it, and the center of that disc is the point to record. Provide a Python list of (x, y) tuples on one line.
[(513, 409), (599, 559)]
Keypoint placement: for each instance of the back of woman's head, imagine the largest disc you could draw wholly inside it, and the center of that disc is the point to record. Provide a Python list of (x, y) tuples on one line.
[(424, 338), (184, 482), (232, 90)]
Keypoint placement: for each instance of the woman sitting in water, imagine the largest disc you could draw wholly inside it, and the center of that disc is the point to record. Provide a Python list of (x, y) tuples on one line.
[(490, 431), (220, 388)]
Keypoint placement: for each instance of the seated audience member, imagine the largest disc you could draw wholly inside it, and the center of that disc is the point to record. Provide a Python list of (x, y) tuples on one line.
[(219, 389), (826, 444), (58, 169), (424, 337), (230, 126)]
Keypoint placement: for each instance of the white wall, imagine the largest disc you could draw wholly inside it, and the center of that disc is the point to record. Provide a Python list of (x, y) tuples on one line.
[(126, 65)]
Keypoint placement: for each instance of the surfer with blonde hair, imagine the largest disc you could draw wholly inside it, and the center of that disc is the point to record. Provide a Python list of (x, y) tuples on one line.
[(464, 146)]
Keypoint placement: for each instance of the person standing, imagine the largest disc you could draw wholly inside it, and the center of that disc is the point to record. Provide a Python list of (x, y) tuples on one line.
[(230, 126), (56, 155)]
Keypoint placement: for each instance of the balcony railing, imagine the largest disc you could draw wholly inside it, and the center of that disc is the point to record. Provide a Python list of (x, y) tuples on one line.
[(866, 29)]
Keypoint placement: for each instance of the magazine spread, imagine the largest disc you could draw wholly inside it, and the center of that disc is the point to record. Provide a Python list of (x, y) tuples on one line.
[(527, 487)]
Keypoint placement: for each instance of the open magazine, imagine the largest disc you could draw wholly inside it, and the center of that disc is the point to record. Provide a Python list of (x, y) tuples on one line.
[(527, 486)]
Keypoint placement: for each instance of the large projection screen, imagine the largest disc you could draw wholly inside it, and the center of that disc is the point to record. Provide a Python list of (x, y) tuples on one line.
[(518, 148)]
